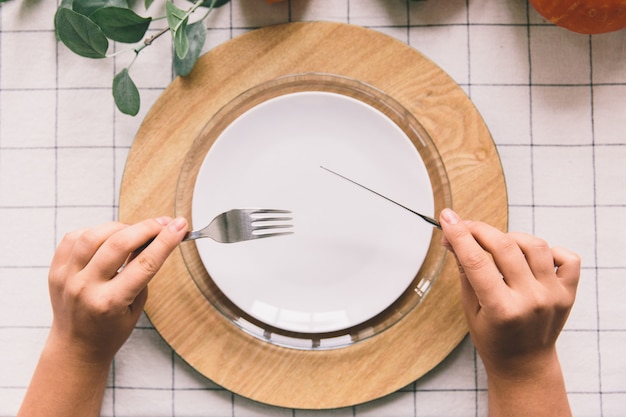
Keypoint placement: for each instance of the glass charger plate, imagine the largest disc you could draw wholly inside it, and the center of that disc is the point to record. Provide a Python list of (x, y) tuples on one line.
[(356, 263)]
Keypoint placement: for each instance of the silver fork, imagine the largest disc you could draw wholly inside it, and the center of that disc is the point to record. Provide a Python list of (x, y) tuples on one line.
[(238, 225)]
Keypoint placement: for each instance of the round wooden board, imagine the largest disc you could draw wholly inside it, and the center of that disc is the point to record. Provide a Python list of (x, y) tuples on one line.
[(313, 379)]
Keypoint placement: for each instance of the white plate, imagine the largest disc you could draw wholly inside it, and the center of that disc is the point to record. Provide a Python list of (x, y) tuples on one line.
[(353, 253)]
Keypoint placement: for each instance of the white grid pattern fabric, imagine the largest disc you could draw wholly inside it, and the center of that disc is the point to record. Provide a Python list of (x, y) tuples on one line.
[(555, 102)]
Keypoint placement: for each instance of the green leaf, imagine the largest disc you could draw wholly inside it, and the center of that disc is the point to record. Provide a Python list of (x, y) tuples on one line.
[(79, 34), (177, 21), (122, 25), (68, 4), (125, 93), (148, 3), (181, 41), (196, 32), (207, 3), (174, 15), (87, 7)]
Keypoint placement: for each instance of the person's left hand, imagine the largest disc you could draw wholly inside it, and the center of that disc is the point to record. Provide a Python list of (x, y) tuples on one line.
[(95, 303)]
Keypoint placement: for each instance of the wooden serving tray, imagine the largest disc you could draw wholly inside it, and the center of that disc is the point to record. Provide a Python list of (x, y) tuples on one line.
[(248, 366)]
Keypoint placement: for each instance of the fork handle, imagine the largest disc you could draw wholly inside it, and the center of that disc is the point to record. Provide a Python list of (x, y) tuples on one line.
[(188, 236), (140, 249), (192, 235)]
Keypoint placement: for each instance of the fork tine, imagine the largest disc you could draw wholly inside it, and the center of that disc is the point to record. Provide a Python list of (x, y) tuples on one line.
[(262, 235), (272, 226), (270, 219), (262, 214), (264, 211), (257, 235)]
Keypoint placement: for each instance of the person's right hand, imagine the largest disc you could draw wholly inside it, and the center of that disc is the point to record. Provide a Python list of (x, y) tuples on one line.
[(517, 293)]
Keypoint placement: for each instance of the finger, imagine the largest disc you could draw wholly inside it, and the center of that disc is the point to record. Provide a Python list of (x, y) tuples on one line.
[(60, 266), (90, 240), (63, 251), (445, 242), (114, 251), (468, 296), (469, 299), (134, 278), (137, 305), (567, 265), (538, 255), (507, 255), (480, 271)]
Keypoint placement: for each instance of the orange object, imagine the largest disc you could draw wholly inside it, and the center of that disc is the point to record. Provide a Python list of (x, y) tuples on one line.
[(584, 16)]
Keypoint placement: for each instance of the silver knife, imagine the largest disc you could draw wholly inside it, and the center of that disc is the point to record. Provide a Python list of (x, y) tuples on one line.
[(427, 219)]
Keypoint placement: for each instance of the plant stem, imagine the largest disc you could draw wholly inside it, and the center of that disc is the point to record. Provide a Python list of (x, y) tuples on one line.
[(196, 5), (148, 41), (192, 9)]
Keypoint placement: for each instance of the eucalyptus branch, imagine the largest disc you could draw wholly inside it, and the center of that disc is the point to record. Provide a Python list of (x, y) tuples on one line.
[(148, 41), (86, 27)]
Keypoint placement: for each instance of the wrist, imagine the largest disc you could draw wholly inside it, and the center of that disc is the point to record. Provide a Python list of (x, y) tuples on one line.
[(530, 386), (522, 368), (75, 354), (62, 376)]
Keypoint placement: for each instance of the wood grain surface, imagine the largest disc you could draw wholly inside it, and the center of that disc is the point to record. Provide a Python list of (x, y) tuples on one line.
[(314, 379)]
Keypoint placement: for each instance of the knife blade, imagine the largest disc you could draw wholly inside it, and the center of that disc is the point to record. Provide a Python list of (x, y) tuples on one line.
[(427, 219)]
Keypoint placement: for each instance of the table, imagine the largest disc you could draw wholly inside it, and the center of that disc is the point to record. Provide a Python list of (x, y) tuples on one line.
[(555, 102)]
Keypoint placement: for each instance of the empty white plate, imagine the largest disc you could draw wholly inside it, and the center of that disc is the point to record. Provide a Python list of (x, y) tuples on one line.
[(353, 253)]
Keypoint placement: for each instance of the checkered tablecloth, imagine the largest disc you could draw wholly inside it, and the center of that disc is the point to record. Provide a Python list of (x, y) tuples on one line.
[(555, 102)]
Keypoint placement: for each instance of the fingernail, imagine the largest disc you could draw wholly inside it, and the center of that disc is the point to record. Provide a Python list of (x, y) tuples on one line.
[(450, 216), (164, 220), (178, 224)]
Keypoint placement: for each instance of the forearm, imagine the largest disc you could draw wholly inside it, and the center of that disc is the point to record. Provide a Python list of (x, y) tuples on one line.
[(539, 393), (65, 386)]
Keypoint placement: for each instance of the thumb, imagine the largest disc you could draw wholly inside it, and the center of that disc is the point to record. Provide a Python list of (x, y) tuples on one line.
[(134, 278), (449, 221)]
